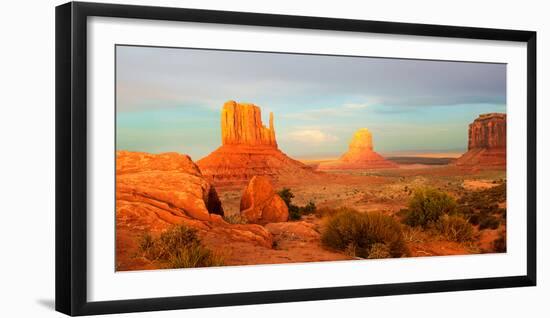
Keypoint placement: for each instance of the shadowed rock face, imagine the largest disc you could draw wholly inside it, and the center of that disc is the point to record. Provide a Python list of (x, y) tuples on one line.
[(248, 149), (486, 143), (360, 155)]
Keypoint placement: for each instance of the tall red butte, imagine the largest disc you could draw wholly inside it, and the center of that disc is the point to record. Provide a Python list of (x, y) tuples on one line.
[(248, 149), (486, 143)]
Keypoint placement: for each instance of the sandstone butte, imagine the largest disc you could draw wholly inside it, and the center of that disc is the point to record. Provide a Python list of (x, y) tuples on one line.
[(360, 155), (155, 192), (260, 204), (248, 149), (486, 143)]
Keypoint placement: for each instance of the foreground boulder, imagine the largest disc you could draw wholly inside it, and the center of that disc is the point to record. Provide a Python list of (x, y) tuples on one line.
[(156, 192), (260, 204), (169, 181)]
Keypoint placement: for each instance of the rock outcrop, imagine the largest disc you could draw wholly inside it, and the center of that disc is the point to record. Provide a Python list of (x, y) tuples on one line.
[(248, 149), (486, 143), (242, 125), (360, 155), (155, 192), (260, 204)]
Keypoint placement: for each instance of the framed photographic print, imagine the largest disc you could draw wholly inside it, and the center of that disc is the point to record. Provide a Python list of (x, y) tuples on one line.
[(212, 158)]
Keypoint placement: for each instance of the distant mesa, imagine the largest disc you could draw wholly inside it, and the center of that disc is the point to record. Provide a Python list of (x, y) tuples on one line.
[(486, 143), (248, 149), (360, 155)]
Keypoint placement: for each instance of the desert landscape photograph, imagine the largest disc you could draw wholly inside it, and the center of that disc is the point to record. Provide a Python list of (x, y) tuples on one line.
[(228, 158)]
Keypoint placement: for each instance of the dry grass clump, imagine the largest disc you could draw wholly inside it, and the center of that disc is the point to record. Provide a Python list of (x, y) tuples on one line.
[(364, 235), (455, 228), (236, 218), (178, 247)]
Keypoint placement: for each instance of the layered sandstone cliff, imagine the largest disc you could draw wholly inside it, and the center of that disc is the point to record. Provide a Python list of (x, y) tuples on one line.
[(248, 149), (360, 155), (242, 125), (486, 142)]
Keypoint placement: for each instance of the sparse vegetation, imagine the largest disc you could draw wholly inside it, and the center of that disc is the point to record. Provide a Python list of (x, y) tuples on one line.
[(499, 245), (455, 228), (427, 206), (358, 233), (236, 218), (482, 207), (178, 247), (296, 212)]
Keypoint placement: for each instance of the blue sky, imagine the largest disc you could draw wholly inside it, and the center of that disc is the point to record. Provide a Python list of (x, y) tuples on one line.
[(169, 99)]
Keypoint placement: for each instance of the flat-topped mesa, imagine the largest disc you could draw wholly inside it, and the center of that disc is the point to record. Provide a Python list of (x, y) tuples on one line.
[(487, 131), (486, 143), (242, 125)]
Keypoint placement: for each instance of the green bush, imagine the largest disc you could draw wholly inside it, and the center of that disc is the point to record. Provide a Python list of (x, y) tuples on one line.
[(287, 196), (178, 247), (357, 233), (489, 222), (455, 228), (427, 206), (296, 212)]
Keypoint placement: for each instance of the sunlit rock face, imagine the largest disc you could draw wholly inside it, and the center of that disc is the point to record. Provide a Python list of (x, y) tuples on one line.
[(155, 192), (248, 149), (242, 125), (486, 143), (360, 155)]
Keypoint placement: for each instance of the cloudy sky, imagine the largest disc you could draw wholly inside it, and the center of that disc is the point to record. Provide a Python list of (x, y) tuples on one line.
[(170, 99)]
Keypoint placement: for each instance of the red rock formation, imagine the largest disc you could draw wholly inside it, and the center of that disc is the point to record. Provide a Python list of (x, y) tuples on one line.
[(242, 125), (486, 143), (260, 204), (360, 155), (155, 192), (248, 149)]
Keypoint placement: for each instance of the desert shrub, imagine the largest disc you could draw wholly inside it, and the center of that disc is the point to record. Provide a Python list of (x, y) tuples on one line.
[(488, 222), (427, 206), (236, 218), (325, 211), (379, 250), (455, 228), (178, 247), (499, 245), (296, 212), (349, 230), (286, 195)]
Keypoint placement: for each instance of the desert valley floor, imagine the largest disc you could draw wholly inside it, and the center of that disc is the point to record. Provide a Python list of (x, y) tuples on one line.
[(384, 190)]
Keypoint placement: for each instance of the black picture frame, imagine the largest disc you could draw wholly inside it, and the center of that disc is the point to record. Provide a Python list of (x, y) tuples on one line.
[(71, 157)]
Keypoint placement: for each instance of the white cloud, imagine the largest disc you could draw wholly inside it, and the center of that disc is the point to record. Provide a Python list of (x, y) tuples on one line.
[(311, 136), (344, 110)]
